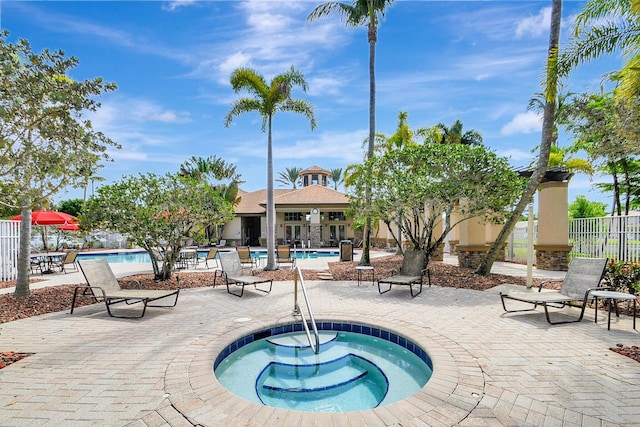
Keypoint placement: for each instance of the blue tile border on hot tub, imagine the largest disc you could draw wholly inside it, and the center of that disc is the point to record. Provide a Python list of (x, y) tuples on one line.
[(323, 326)]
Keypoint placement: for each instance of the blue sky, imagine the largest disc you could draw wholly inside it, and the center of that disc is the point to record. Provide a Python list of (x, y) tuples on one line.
[(478, 61)]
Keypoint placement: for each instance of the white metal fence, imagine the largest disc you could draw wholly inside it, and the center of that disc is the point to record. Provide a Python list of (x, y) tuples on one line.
[(9, 241), (616, 237)]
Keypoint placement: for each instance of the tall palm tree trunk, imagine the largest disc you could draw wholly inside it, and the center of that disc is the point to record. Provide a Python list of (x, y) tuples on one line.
[(548, 121), (365, 259), (271, 207)]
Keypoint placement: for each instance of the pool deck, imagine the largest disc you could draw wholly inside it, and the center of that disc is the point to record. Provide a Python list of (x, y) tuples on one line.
[(490, 368)]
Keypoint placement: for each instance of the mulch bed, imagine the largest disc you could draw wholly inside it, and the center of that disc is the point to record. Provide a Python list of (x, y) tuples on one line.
[(58, 298)]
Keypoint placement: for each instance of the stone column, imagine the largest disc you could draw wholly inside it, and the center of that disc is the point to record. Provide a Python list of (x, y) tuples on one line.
[(472, 247), (552, 248)]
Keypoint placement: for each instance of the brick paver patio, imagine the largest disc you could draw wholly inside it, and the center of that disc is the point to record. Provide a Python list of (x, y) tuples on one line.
[(490, 368)]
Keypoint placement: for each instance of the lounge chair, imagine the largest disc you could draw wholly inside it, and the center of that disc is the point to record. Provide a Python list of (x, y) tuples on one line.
[(232, 273), (411, 273), (212, 256), (583, 276), (284, 255), (102, 285), (244, 252)]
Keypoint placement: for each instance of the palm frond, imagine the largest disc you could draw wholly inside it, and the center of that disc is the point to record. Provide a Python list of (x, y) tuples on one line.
[(241, 106), (247, 79), (300, 106)]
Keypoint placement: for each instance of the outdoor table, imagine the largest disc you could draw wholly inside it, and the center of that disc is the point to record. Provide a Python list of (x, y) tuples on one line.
[(49, 258), (189, 255), (361, 268), (614, 297)]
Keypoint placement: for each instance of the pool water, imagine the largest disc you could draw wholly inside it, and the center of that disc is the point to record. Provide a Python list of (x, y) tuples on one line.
[(353, 371), (143, 256)]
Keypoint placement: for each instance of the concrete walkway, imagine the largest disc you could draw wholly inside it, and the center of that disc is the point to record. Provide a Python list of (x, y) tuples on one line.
[(490, 368)]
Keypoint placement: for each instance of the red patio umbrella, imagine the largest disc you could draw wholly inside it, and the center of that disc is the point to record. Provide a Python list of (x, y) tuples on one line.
[(40, 217), (69, 227)]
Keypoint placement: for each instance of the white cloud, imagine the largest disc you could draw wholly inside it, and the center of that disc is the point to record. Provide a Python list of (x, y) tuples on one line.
[(535, 25), (517, 155), (329, 85), (233, 61), (346, 146), (173, 5), (523, 123)]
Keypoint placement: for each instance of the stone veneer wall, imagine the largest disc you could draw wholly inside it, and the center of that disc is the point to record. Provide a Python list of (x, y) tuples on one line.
[(471, 256), (452, 246), (315, 238), (554, 258), (438, 255)]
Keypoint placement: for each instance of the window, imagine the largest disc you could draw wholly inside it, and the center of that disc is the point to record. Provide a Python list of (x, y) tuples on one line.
[(293, 216), (337, 216)]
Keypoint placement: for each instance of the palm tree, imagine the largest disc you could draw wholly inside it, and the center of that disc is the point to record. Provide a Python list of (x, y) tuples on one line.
[(604, 26), (548, 123), (214, 169), (336, 177), (266, 100), (359, 13), (563, 109), (211, 167), (453, 134), (290, 176)]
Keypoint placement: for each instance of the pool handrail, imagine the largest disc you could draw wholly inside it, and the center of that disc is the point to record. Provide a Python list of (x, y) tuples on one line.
[(298, 312)]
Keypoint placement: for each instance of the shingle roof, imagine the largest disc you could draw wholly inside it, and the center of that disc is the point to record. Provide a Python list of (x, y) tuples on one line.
[(316, 169), (253, 203)]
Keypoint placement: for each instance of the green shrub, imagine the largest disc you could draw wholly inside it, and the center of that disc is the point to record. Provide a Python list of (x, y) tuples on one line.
[(623, 276)]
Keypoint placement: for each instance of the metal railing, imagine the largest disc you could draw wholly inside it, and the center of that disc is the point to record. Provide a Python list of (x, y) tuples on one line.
[(315, 345)]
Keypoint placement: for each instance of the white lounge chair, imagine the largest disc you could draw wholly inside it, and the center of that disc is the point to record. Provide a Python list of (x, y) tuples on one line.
[(102, 285), (233, 274)]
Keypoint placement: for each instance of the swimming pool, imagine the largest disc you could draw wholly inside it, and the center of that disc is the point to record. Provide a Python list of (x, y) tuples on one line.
[(143, 256), (359, 367)]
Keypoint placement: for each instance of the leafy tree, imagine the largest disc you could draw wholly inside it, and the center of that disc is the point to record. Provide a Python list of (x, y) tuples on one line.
[(356, 14), (583, 208), (214, 171), (290, 176), (266, 100), (72, 206), (157, 213), (46, 143), (547, 140), (412, 186), (336, 177), (605, 128)]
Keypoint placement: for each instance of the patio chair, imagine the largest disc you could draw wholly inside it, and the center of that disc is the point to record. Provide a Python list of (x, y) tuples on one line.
[(284, 255), (244, 252), (102, 285), (70, 259), (411, 273), (583, 276), (232, 273), (36, 263), (212, 256)]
